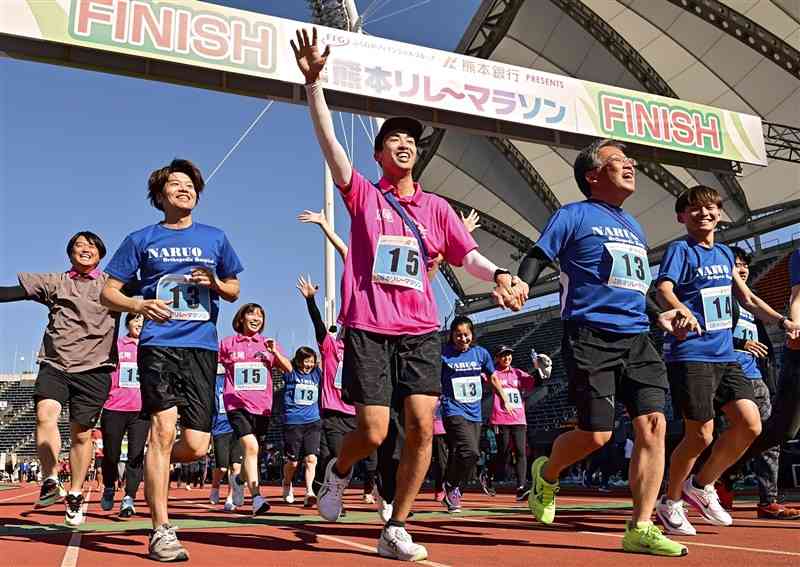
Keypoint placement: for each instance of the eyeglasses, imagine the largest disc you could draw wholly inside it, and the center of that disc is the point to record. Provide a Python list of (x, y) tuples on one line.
[(620, 159)]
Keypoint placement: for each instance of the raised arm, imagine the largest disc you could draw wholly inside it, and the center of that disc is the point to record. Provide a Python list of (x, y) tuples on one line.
[(309, 290), (283, 362), (320, 219), (12, 293), (311, 62)]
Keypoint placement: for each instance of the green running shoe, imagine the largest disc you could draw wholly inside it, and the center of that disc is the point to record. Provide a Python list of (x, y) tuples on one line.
[(542, 497), (645, 537)]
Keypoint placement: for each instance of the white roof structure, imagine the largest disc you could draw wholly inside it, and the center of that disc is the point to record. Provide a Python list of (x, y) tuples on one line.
[(742, 55)]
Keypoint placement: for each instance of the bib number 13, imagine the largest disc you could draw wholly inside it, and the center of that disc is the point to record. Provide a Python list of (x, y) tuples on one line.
[(187, 301)]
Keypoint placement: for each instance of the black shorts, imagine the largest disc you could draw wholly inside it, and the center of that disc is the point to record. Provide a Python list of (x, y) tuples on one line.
[(246, 423), (605, 367), (301, 440), (338, 422), (182, 377), (382, 370), (227, 450), (699, 389), (86, 392)]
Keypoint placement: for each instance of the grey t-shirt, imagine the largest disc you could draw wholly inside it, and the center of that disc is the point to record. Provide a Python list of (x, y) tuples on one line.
[(80, 333)]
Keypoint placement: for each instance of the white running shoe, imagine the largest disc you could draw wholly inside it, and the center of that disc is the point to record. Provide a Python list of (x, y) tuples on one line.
[(74, 512), (706, 501), (329, 498), (672, 516), (396, 544), (213, 496), (126, 508), (237, 487), (384, 508), (288, 493), (260, 505), (229, 506)]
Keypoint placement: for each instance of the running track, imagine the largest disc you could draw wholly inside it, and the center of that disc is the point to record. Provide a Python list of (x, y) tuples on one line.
[(491, 531)]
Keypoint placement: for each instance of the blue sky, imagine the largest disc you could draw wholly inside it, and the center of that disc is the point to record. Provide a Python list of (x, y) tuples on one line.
[(76, 148)]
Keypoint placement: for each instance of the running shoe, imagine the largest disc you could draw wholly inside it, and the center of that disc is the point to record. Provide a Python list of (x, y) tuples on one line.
[(542, 497), (74, 512), (229, 505), (522, 493), (237, 487), (645, 537), (51, 492), (706, 501), (107, 501), (329, 499), (384, 508), (725, 493), (368, 499), (126, 509), (776, 511), (452, 498), (260, 505), (395, 543), (213, 496), (164, 545), (672, 515), (310, 500), (288, 493), (486, 484)]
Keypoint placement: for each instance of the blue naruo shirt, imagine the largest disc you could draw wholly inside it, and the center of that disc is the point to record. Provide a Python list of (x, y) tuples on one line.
[(156, 252), (605, 273), (220, 424), (702, 278), (746, 330), (301, 397), (794, 268), (461, 381)]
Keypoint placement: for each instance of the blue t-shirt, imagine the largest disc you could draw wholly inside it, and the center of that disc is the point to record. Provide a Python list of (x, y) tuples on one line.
[(220, 424), (301, 396), (461, 381), (794, 268), (702, 278), (746, 330), (605, 273), (162, 256)]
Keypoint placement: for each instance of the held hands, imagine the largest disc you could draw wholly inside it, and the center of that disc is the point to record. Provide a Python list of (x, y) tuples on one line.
[(510, 292), (312, 217), (203, 277), (309, 60), (306, 288), (756, 349), (792, 333)]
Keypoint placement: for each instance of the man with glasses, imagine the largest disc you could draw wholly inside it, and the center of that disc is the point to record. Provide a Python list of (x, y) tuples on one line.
[(608, 353)]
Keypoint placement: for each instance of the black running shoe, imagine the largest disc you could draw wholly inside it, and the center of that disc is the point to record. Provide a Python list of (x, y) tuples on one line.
[(51, 492)]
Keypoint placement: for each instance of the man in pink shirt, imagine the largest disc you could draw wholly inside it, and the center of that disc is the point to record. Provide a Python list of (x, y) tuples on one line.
[(121, 415), (392, 351)]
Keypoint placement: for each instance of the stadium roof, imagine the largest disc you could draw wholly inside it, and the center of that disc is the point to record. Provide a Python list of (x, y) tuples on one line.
[(742, 55)]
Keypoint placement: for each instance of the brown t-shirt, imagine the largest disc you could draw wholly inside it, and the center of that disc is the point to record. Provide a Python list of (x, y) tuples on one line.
[(81, 333)]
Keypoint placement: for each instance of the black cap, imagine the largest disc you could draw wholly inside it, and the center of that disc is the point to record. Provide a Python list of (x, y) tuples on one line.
[(503, 348), (405, 123)]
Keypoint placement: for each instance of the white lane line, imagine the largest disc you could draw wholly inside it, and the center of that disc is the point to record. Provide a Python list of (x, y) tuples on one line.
[(19, 496), (74, 546), (716, 546)]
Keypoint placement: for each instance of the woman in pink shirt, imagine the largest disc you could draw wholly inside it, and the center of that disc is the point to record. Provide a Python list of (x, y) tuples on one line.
[(248, 359), (508, 415), (121, 415)]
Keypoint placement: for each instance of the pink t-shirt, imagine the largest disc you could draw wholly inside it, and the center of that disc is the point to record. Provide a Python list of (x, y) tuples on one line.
[(124, 394), (248, 373), (438, 425), (332, 351), (514, 382), (391, 308)]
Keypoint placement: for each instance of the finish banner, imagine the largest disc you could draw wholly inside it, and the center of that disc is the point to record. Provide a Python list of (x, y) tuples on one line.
[(202, 34)]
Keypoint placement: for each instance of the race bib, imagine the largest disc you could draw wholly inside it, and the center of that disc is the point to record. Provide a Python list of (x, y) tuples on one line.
[(746, 327), (514, 398), (337, 381), (187, 301), (250, 376), (467, 389), (717, 307), (630, 268), (305, 394), (398, 262), (128, 375)]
